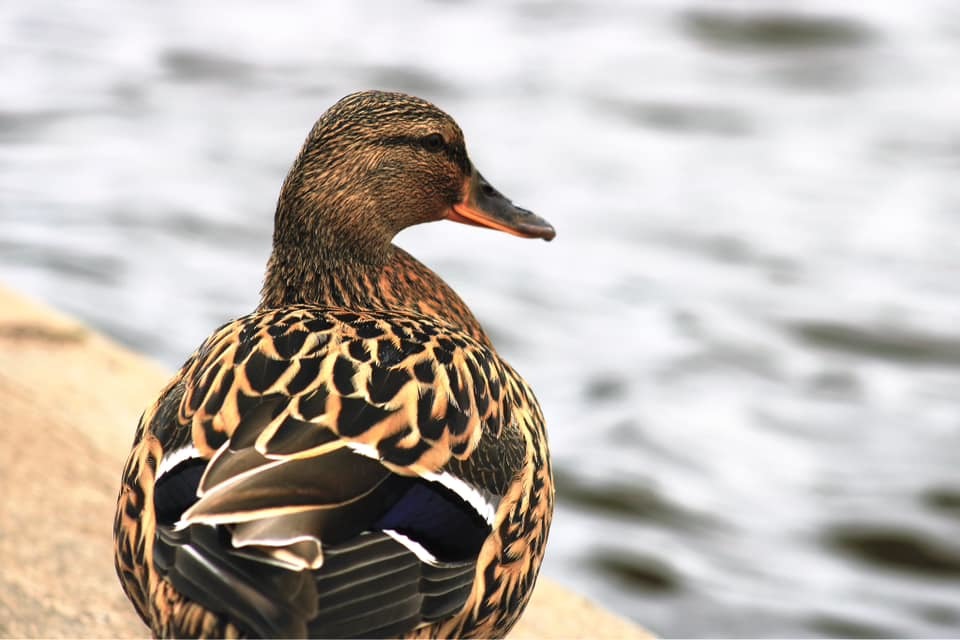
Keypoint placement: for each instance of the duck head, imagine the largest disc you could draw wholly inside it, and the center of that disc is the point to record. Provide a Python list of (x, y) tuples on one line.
[(378, 162)]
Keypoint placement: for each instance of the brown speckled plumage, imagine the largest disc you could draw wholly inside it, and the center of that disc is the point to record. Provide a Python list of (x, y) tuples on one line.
[(353, 458)]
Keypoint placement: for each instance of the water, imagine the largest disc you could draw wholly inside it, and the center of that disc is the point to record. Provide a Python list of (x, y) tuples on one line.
[(744, 337)]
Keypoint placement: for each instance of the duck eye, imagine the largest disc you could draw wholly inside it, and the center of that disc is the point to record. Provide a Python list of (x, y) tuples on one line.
[(433, 142)]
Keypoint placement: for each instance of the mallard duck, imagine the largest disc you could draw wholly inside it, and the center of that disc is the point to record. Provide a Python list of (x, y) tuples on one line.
[(353, 458)]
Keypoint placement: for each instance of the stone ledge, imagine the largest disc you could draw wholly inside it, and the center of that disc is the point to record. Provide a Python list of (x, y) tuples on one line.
[(69, 402)]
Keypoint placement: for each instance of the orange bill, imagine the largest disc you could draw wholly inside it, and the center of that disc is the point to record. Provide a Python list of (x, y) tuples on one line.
[(484, 206)]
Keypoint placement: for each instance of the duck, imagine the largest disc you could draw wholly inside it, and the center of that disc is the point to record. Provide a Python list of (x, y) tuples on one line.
[(353, 458)]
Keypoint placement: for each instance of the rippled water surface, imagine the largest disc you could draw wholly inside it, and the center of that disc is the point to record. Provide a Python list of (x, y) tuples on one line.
[(745, 337)]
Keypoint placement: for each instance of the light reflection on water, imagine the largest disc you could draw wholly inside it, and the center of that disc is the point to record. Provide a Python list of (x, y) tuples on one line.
[(744, 337)]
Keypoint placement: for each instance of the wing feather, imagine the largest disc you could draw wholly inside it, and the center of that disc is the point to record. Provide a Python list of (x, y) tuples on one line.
[(411, 388), (370, 448)]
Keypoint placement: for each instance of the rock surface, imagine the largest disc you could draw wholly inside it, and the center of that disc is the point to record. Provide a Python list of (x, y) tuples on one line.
[(69, 402)]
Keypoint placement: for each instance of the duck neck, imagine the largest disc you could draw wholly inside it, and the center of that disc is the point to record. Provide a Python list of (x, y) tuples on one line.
[(319, 263), (322, 267)]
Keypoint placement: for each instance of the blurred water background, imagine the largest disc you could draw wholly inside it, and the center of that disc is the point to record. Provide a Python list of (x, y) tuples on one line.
[(745, 337)]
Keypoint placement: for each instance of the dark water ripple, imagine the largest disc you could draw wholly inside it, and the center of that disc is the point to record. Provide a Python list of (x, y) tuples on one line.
[(639, 573), (634, 501), (205, 67), (103, 269), (25, 127), (842, 627), (682, 118), (943, 500), (775, 30), (892, 343), (896, 548)]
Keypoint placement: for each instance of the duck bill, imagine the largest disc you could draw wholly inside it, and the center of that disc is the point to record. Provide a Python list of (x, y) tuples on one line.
[(484, 206)]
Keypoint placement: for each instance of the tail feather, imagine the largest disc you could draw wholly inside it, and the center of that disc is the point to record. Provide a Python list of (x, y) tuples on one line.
[(371, 586)]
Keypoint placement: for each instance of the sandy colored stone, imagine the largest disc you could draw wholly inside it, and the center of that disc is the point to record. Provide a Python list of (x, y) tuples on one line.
[(69, 402)]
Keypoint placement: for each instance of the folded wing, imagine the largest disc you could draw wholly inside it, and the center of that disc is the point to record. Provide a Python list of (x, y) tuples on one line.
[(342, 474)]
